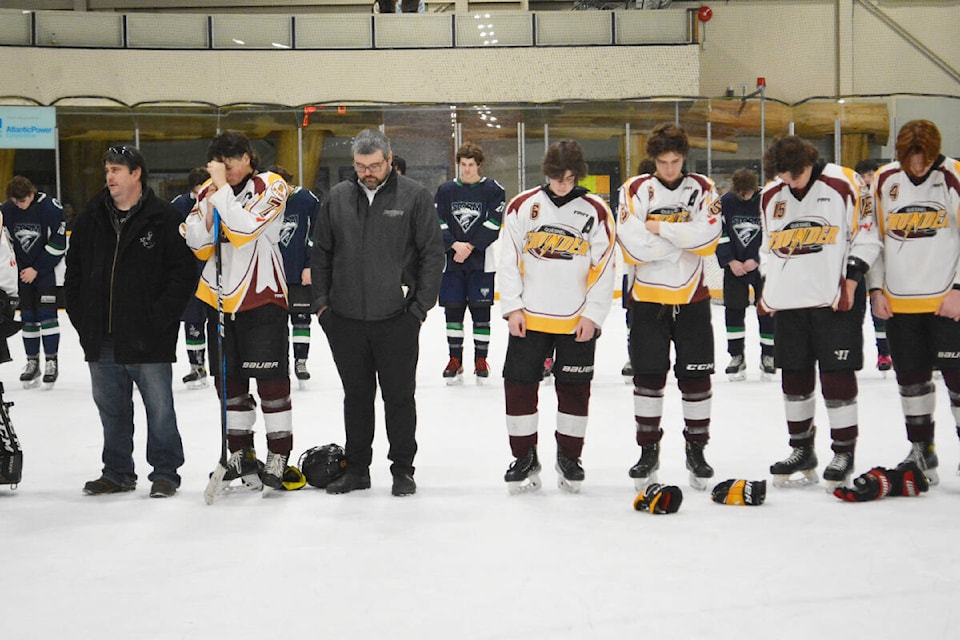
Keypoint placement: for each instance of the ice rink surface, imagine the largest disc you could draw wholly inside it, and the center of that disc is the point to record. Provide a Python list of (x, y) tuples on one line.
[(462, 559)]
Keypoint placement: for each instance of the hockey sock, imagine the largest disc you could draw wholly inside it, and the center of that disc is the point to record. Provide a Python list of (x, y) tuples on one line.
[(696, 399), (454, 317), (648, 407)]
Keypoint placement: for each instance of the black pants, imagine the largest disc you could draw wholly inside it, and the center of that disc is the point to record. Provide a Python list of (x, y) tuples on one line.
[(365, 352)]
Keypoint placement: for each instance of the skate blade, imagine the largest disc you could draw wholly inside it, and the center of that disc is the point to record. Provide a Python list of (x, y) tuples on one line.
[(269, 492), (737, 377), (768, 377), (640, 484), (531, 484), (454, 381), (830, 485), (193, 385), (570, 486), (933, 477), (481, 381), (302, 385), (698, 483), (31, 384), (806, 478), (627, 379), (548, 380), (49, 385)]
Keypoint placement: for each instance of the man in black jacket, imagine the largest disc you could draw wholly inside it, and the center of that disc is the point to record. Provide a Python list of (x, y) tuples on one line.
[(129, 277), (376, 267)]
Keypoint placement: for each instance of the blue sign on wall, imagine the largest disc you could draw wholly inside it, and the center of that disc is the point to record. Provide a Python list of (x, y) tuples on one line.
[(28, 127)]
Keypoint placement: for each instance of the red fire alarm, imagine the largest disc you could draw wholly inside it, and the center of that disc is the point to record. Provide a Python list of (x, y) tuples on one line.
[(761, 82), (704, 14)]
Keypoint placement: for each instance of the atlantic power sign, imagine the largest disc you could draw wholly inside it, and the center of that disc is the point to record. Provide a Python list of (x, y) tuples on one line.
[(28, 127)]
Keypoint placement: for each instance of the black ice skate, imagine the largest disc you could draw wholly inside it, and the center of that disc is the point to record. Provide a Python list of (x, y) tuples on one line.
[(197, 378), (453, 374), (767, 368), (243, 464), (30, 378), (300, 370), (627, 372), (272, 474), (737, 369), (838, 472), (884, 364), (925, 456), (699, 470), (50, 373), (523, 475), (481, 370), (645, 471), (571, 473), (803, 460)]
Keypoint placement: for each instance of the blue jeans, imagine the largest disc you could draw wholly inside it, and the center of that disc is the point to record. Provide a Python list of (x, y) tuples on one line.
[(113, 393)]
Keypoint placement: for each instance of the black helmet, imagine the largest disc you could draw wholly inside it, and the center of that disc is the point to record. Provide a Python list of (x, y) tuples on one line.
[(322, 465)]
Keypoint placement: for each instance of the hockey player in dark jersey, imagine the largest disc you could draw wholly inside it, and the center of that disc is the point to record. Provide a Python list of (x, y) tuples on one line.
[(296, 240), (813, 254), (38, 233), (470, 210), (739, 255), (195, 315)]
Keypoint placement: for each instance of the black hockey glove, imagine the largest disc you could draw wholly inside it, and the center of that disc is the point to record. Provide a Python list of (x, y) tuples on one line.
[(907, 480), (740, 492), (872, 485), (657, 498)]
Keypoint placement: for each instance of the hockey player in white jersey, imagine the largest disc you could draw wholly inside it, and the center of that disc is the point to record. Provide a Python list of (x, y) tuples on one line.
[(668, 222), (915, 284), (556, 282), (813, 254)]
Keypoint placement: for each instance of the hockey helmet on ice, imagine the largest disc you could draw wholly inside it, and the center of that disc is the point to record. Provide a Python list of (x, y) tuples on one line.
[(323, 465)]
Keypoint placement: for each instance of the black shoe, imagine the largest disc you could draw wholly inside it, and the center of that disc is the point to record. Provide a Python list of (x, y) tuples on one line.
[(103, 485), (403, 485), (350, 481), (162, 489)]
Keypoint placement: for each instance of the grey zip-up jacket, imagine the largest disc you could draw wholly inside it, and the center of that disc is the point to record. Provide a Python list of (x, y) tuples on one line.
[(377, 261)]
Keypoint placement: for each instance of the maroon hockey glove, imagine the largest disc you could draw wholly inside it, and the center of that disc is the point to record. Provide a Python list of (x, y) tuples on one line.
[(657, 498), (872, 485), (740, 492)]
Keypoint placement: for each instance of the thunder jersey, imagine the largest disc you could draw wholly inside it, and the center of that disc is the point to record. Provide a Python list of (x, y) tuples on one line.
[(920, 231), (669, 266), (250, 221), (807, 239), (555, 259)]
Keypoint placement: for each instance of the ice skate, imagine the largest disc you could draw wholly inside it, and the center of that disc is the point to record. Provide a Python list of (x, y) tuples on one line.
[(884, 364), (627, 372), (737, 369), (453, 374), (699, 470), (481, 370), (30, 378), (802, 460), (571, 473), (523, 475), (197, 378), (272, 474), (925, 456), (645, 471), (300, 370), (838, 472), (50, 373), (547, 375), (767, 368), (244, 465)]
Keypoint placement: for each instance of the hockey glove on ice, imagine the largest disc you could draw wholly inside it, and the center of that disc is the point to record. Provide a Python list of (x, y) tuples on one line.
[(657, 498), (906, 480), (740, 492)]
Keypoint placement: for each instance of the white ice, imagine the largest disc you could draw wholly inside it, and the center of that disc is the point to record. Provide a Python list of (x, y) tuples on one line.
[(463, 559)]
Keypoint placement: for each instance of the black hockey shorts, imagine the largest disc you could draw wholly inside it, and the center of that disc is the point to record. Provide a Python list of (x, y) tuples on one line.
[(736, 289), (254, 341), (572, 362), (34, 300), (654, 326), (804, 337), (923, 341), (460, 287)]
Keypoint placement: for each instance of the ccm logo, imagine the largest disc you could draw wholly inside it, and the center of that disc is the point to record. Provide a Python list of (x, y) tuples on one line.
[(700, 367), (261, 365)]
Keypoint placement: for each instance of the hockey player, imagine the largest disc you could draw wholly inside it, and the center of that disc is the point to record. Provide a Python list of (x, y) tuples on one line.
[(296, 241), (812, 256), (470, 210), (915, 285), (556, 282), (195, 315), (739, 255), (668, 222), (867, 170), (250, 207), (38, 232)]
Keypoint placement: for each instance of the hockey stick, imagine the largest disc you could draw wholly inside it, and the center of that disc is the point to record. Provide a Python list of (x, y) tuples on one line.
[(216, 478)]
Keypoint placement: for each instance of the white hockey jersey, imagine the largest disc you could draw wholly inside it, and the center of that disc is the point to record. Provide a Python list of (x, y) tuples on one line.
[(806, 241), (669, 266), (556, 262), (251, 222), (9, 274), (920, 230)]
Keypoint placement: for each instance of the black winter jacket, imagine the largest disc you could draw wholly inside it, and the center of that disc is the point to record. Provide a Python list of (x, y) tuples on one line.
[(131, 286)]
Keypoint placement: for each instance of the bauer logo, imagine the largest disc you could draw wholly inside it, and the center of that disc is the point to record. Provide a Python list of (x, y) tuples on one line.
[(261, 365)]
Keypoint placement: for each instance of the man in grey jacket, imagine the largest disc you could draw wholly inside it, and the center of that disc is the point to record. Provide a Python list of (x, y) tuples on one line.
[(376, 268)]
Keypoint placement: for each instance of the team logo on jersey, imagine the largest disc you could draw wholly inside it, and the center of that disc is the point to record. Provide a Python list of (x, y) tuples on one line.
[(920, 220), (649, 192), (553, 242), (779, 210), (746, 231), (147, 240), (803, 236), (673, 213), (288, 229), (26, 236), (466, 213), (535, 211), (624, 213), (894, 192)]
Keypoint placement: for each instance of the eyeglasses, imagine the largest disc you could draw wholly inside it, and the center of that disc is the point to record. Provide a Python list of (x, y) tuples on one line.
[(372, 168), (121, 150)]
